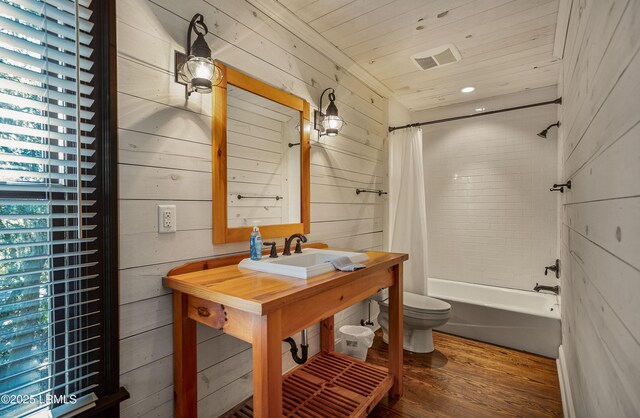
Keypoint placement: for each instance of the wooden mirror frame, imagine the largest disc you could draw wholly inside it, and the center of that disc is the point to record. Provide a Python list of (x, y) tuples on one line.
[(221, 232)]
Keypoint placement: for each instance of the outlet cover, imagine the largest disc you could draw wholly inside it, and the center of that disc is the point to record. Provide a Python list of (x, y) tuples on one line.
[(166, 219)]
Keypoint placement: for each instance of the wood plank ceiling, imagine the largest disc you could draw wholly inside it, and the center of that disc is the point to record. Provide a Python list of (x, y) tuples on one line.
[(506, 45)]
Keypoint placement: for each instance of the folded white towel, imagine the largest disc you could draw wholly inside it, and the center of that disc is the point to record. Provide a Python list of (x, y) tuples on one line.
[(344, 263)]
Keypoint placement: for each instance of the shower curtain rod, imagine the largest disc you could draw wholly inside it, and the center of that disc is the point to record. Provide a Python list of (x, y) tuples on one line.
[(431, 122)]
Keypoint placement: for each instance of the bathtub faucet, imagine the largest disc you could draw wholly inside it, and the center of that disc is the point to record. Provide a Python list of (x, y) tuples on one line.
[(555, 267), (554, 289)]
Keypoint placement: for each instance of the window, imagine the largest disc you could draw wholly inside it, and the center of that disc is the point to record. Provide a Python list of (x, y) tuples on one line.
[(58, 282)]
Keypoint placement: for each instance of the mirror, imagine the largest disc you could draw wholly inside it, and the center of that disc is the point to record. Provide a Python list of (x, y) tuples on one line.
[(260, 161), (263, 171)]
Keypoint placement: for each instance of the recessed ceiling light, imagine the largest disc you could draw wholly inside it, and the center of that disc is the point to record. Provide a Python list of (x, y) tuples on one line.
[(480, 109), (468, 89)]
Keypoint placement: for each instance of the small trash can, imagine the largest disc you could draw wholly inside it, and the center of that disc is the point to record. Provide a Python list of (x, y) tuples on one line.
[(356, 341)]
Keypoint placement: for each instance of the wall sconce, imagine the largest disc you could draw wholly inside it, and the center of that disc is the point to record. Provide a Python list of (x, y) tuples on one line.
[(328, 123), (196, 68), (543, 134)]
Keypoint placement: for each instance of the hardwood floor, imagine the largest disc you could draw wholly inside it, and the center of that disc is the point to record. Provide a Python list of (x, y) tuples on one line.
[(466, 378)]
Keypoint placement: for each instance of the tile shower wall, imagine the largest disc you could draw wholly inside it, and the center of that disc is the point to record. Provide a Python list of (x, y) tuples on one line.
[(491, 218)]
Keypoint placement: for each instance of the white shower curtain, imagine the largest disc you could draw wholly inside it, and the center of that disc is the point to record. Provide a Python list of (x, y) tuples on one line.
[(407, 206)]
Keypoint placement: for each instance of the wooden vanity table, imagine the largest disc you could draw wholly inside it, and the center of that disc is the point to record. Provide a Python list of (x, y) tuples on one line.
[(263, 309)]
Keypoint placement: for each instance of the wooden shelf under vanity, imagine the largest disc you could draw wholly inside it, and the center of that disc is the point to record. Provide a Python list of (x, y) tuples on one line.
[(263, 309), (329, 385)]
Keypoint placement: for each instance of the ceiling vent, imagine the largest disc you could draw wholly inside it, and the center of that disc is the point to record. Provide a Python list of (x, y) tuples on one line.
[(436, 57)]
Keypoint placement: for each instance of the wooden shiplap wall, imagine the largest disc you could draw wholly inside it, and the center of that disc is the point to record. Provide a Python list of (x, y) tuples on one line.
[(600, 236), (164, 144)]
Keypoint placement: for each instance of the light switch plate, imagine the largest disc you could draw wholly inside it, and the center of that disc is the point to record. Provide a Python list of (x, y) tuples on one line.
[(166, 219)]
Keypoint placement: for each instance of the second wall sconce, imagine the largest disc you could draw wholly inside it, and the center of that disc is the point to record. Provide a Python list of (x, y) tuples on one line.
[(196, 69), (327, 123)]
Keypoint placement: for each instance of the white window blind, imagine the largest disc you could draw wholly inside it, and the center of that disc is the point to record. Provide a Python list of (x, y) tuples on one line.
[(50, 319)]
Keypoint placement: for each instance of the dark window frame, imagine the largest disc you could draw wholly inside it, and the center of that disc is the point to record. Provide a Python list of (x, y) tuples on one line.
[(110, 393), (104, 69)]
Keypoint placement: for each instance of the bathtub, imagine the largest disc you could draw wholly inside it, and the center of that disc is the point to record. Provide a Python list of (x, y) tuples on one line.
[(518, 319)]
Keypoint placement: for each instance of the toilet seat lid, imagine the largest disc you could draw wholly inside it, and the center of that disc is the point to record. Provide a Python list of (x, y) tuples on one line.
[(415, 302), (421, 302)]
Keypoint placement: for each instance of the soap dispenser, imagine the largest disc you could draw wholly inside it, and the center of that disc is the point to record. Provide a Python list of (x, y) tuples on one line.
[(255, 244)]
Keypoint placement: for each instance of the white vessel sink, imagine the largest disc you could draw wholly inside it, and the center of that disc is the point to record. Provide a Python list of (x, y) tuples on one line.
[(311, 262)]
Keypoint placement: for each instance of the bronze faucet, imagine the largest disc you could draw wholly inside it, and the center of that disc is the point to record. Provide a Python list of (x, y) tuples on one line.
[(288, 241)]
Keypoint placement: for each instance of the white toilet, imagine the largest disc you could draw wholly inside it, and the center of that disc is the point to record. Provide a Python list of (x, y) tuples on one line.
[(421, 314)]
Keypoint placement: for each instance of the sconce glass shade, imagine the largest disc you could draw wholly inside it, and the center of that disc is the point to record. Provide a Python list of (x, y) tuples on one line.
[(201, 73), (332, 125)]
